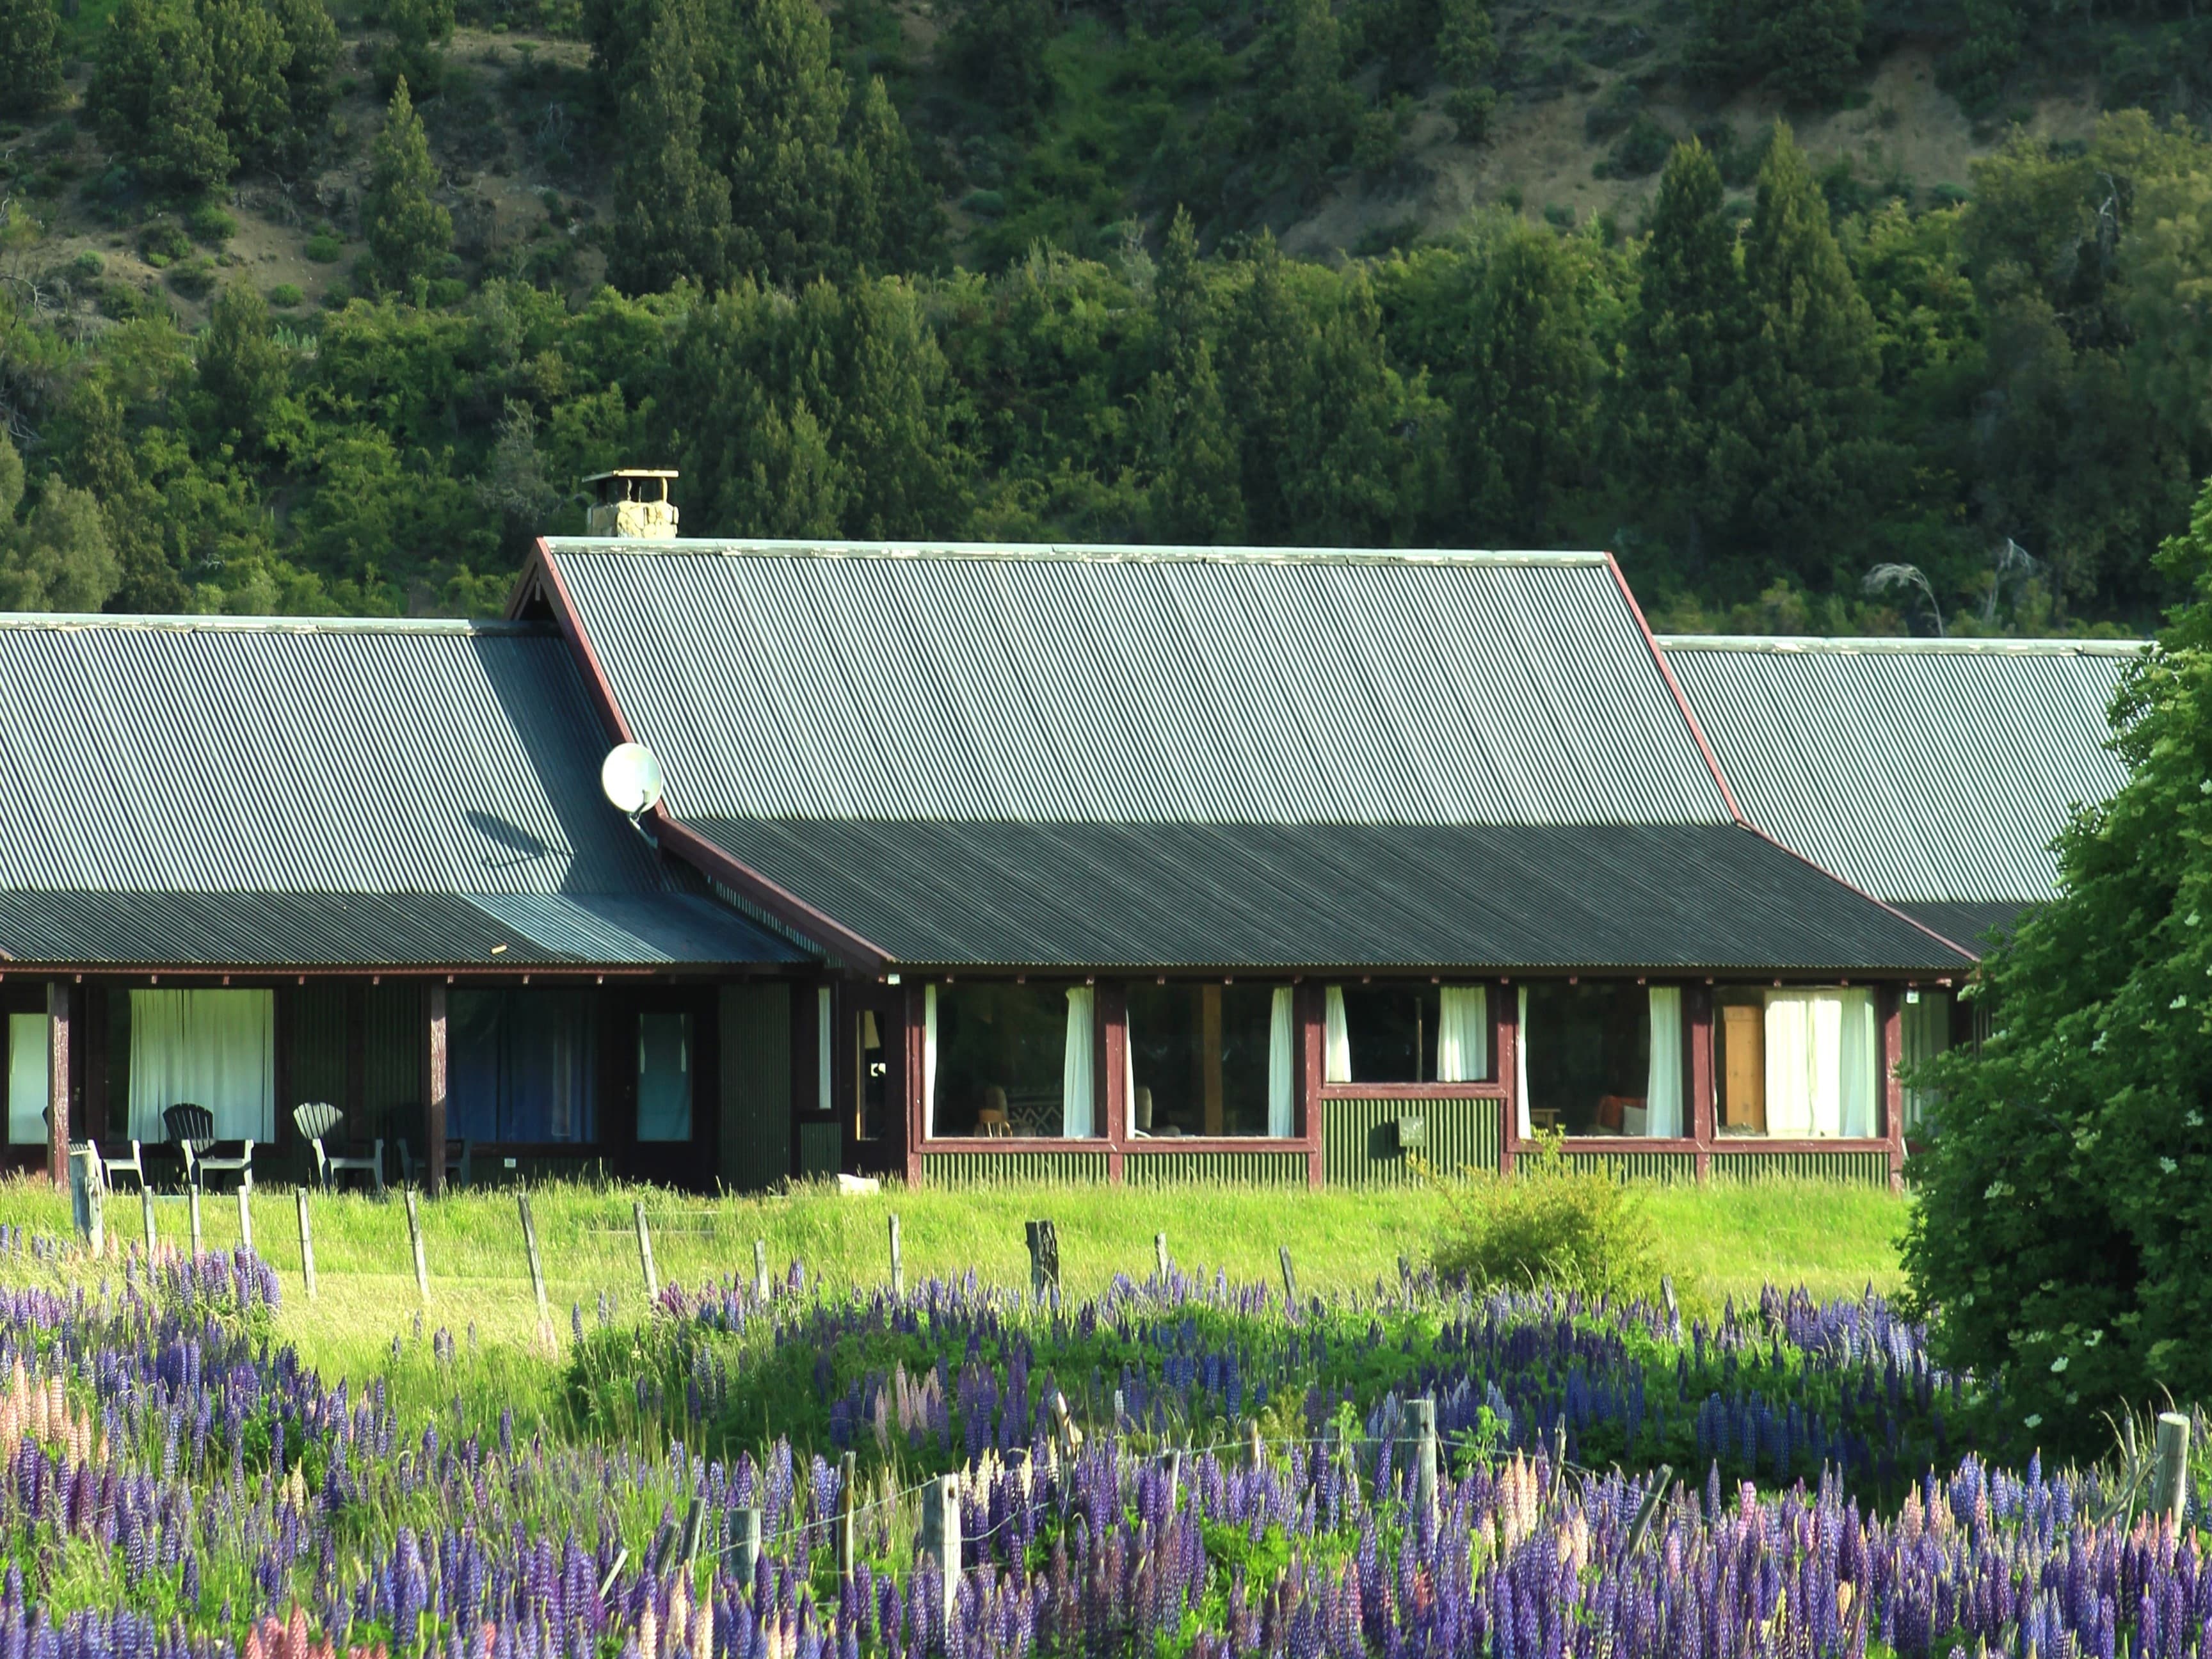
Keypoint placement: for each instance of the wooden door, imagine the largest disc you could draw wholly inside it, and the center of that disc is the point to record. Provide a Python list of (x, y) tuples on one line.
[(1743, 1078)]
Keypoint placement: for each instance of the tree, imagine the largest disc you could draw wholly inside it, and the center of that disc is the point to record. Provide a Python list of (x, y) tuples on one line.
[(1192, 441), (248, 48), (772, 122), (57, 559), (408, 233), (1309, 105), (997, 49), (419, 29), (890, 219), (242, 370), (675, 217), (2061, 1236), (30, 56), (153, 94), (1805, 49)]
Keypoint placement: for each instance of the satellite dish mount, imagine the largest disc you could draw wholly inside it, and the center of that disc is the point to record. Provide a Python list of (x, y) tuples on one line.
[(629, 777)]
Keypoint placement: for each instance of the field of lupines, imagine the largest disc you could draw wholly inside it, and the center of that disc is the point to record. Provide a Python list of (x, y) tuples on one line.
[(176, 1483)]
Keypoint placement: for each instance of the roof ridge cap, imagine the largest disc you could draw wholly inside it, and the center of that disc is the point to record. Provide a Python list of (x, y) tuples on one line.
[(72, 622), (1064, 552), (1781, 645)]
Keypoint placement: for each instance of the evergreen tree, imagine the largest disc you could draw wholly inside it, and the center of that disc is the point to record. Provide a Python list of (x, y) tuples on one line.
[(153, 94), (242, 370), (1467, 52), (1682, 354), (891, 220), (997, 49), (419, 29), (773, 121), (57, 559), (408, 233), (1195, 496), (1528, 410), (247, 47), (1311, 106), (1811, 361), (674, 219), (30, 55)]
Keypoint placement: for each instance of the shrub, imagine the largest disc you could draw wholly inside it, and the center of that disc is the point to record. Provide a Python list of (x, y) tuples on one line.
[(325, 249), (87, 265), (162, 243), (208, 223), (194, 277), (286, 294), (1549, 1223), (1470, 109), (1640, 152)]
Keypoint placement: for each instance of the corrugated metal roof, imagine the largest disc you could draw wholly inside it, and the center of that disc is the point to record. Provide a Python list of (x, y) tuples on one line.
[(1927, 771), (201, 789), (1709, 896), (1119, 686)]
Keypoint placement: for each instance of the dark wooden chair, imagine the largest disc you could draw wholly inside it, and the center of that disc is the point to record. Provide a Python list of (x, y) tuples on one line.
[(459, 1155), (318, 1120), (192, 1129)]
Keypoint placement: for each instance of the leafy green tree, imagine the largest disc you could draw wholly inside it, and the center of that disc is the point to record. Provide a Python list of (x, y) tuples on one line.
[(57, 559), (675, 216), (1467, 53), (997, 48), (891, 220), (1192, 438), (774, 117), (243, 372), (408, 233), (30, 55), (2060, 1238), (1310, 108), (1807, 50), (155, 97)]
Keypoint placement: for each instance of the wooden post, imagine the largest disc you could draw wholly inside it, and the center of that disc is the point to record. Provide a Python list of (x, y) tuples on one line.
[(1648, 1510), (1160, 1255), (940, 1536), (1892, 1090), (607, 1583), (645, 1253), (848, 1474), (85, 1197), (1559, 1454), (1255, 1449), (1069, 1433), (1044, 1258), (1173, 1459), (433, 1091), (146, 1212), (1700, 1000), (414, 1241), (1507, 1031), (2169, 1485), (1424, 1413), (745, 1546), (1289, 1280), (245, 1217), (192, 1206), (537, 1267), (898, 1267), (1673, 1308), (695, 1524), (57, 1081), (760, 1269), (307, 1241)]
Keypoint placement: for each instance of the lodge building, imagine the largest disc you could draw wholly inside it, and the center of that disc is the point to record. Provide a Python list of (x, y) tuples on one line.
[(1103, 864)]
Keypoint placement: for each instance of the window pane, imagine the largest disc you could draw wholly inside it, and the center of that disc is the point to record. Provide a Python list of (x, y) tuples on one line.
[(522, 1065), (1393, 1029), (27, 1078), (663, 1076), (1001, 1055), (1201, 1059), (1926, 1033), (1799, 1063), (1589, 1051)]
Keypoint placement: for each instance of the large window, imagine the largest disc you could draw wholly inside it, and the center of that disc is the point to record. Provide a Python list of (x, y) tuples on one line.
[(27, 1054), (1212, 1060), (1010, 1059), (522, 1065), (1406, 1033), (1602, 1059), (663, 1076), (1798, 1063), (1925, 1033), (211, 1049)]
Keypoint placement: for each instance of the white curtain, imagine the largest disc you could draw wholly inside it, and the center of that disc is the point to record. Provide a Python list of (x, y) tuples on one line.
[(1521, 1067), (1336, 1038), (1462, 1034), (217, 1049), (1821, 1049), (823, 1047), (1926, 1033), (1128, 1081), (1077, 1078), (1662, 1091), (26, 1079), (929, 1060), (1282, 1074)]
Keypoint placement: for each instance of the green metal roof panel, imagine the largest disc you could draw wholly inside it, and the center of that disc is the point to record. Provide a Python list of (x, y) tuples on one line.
[(806, 681), (1498, 897), (1922, 771), (194, 789)]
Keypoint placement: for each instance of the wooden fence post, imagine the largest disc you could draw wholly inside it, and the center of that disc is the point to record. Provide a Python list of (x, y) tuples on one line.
[(193, 1205), (645, 1254), (695, 1524), (1423, 1412), (1289, 1280), (760, 1269), (1045, 1257), (414, 1241), (898, 1265), (537, 1267), (745, 1547), (246, 1217), (306, 1240), (2169, 1485), (85, 1195), (1160, 1255), (1648, 1510), (847, 1474), (146, 1210), (1174, 1460), (1255, 1449), (940, 1536)]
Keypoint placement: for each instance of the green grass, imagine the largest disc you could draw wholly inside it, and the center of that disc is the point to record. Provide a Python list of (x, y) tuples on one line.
[(1718, 1241)]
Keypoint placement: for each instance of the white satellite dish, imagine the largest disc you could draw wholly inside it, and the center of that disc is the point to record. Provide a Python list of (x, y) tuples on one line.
[(630, 778)]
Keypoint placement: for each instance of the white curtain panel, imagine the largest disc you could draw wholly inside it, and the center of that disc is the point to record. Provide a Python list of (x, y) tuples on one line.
[(1823, 1051), (929, 1060), (1336, 1038), (1282, 1028), (1791, 1084), (1521, 1067), (217, 1049), (1662, 1091), (1857, 1063), (1128, 1081), (1462, 1034), (1078, 1086), (1926, 1033), (26, 1079)]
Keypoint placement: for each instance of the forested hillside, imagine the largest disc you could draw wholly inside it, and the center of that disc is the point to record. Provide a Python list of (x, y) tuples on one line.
[(1824, 318)]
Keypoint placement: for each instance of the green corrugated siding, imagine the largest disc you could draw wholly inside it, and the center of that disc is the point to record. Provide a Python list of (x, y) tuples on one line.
[(982, 1169), (756, 1033), (318, 1044), (1174, 1168), (392, 1068), (1871, 1169), (821, 1148), (1640, 1166), (1360, 1138)]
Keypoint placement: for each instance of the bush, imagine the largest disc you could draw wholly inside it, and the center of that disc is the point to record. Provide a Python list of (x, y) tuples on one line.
[(1549, 1223), (1640, 152), (162, 243), (193, 278), (286, 294), (210, 224), (87, 265), (325, 249), (1470, 109)]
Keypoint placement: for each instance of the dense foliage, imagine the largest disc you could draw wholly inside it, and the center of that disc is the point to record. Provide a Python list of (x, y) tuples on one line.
[(2064, 1225), (1548, 1223)]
